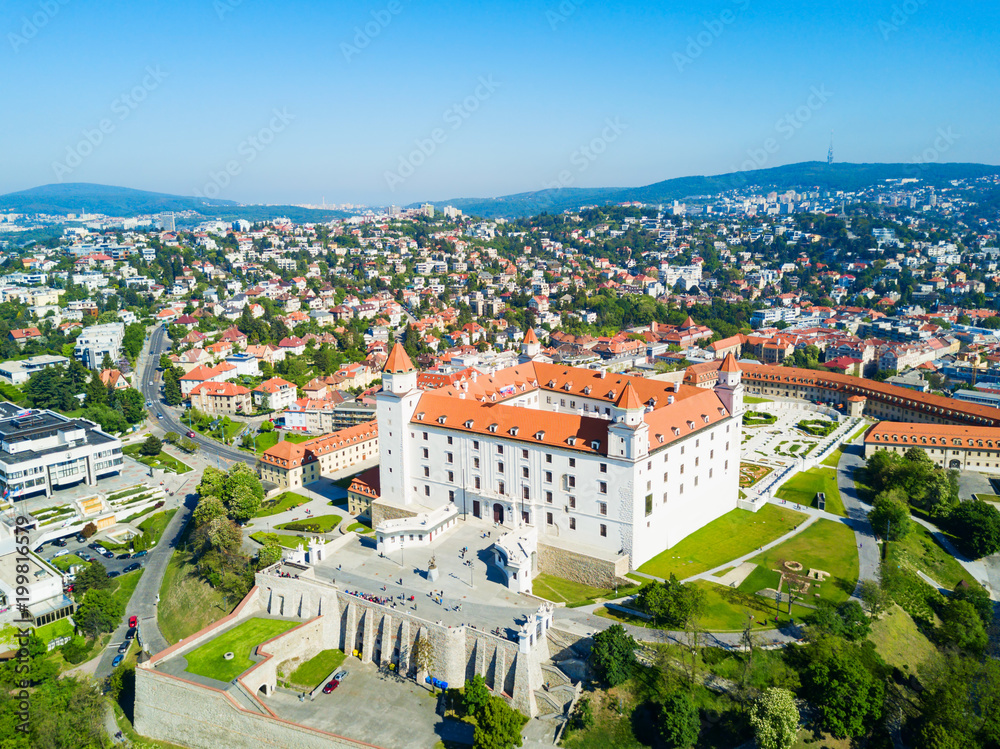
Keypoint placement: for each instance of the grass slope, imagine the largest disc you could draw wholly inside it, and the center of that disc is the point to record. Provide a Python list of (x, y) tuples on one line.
[(281, 503), (311, 674), (734, 534), (187, 603), (802, 488), (560, 590)]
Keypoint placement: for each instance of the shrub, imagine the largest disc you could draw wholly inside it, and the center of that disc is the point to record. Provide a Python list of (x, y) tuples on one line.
[(88, 530)]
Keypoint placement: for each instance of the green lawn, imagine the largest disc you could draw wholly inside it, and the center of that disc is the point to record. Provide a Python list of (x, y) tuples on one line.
[(297, 439), (289, 542), (833, 459), (311, 674), (920, 551), (726, 609), (124, 586), (802, 487), (266, 440), (208, 659), (750, 399), (560, 590), (66, 561), (987, 497), (281, 503), (58, 628), (734, 534), (156, 524), (318, 524), (861, 430), (187, 602), (359, 528), (163, 460), (826, 545)]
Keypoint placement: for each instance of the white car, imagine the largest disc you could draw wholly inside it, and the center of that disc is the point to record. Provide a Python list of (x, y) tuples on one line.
[(60, 553)]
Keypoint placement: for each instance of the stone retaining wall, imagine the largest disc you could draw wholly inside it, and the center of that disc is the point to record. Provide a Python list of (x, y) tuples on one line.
[(381, 511), (583, 568)]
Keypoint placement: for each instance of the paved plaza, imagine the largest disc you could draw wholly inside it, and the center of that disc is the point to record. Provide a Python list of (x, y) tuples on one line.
[(781, 443)]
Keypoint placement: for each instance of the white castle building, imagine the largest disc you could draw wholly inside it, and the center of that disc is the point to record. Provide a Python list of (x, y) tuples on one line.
[(590, 474)]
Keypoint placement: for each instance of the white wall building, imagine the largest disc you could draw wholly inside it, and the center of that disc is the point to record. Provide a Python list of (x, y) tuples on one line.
[(608, 464)]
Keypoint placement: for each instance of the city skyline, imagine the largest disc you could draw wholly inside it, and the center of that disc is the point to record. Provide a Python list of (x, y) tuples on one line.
[(395, 103)]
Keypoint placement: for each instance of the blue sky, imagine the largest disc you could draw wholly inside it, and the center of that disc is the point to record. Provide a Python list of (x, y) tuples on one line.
[(397, 100)]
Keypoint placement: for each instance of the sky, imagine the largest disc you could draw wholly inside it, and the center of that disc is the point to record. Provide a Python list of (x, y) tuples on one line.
[(396, 101)]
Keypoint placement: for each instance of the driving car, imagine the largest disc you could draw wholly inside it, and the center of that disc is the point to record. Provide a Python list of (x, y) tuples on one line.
[(118, 659), (190, 435), (133, 621), (159, 416), (330, 686), (132, 567)]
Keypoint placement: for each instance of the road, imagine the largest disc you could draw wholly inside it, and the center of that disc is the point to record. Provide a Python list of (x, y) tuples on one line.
[(851, 459), (158, 345)]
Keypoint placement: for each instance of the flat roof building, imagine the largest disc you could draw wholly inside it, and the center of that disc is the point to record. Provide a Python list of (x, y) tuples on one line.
[(19, 372)]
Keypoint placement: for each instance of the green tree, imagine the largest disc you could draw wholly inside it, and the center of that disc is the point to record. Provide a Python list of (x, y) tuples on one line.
[(847, 695), (211, 484), (172, 393), (106, 362), (613, 655), (874, 597), (152, 446), (775, 719), (498, 726), (268, 555), (679, 724), (671, 602), (242, 493), (476, 695), (962, 627), (165, 363), (99, 612), (890, 515), (131, 403), (97, 393), (976, 524), (92, 577)]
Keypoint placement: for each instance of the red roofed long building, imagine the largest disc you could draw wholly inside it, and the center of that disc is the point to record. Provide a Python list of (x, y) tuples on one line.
[(593, 473), (289, 465)]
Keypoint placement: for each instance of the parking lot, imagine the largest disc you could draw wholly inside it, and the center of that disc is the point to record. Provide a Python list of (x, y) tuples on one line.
[(375, 707), (73, 546)]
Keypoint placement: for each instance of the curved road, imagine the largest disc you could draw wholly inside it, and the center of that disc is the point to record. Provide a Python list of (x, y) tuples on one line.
[(151, 389)]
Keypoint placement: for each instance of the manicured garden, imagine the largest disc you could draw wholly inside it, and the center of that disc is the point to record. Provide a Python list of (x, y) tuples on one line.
[(209, 661), (318, 524), (817, 427), (734, 534), (281, 503), (311, 674), (758, 418), (802, 488), (751, 473), (289, 542)]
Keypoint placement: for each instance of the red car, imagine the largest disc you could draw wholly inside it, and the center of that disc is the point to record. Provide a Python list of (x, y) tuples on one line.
[(190, 435), (133, 621), (330, 686)]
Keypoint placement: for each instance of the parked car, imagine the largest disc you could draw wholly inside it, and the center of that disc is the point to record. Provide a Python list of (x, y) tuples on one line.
[(133, 621), (340, 676), (140, 554), (118, 659), (330, 686), (80, 538), (85, 556), (125, 555), (38, 549), (59, 542), (114, 573), (64, 552), (107, 554), (123, 648), (132, 567), (93, 545), (130, 634)]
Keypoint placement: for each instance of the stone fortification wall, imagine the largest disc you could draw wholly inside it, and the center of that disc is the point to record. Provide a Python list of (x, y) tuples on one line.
[(583, 568), (382, 511)]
